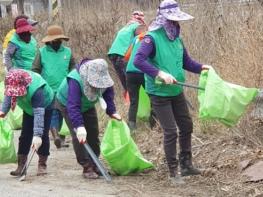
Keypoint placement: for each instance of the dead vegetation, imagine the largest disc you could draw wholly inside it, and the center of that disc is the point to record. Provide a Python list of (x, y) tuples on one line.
[(227, 36)]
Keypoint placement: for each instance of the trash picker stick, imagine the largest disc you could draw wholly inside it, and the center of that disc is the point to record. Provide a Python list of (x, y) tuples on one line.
[(158, 81), (97, 162), (25, 168)]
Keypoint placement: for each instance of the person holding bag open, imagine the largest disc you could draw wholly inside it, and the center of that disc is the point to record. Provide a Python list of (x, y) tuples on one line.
[(163, 56)]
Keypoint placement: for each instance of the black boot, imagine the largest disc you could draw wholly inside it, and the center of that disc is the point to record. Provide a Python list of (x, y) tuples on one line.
[(187, 168), (21, 161), (42, 165), (57, 140), (174, 176)]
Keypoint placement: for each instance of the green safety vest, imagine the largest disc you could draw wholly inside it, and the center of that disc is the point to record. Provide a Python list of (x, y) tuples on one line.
[(130, 66), (123, 39), (25, 55), (37, 81), (55, 65), (168, 58), (62, 94)]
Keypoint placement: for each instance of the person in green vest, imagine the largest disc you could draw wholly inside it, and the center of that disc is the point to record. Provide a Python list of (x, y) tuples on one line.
[(135, 79), (163, 58), (10, 34), (121, 44), (22, 47), (34, 96), (88, 84), (54, 61)]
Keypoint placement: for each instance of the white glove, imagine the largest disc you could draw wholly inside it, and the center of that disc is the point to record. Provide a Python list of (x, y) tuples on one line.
[(166, 77), (103, 104), (206, 67), (36, 142), (116, 116), (81, 135), (4, 52)]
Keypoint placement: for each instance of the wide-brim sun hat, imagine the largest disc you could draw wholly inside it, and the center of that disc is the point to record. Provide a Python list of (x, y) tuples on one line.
[(171, 11), (22, 26), (16, 82), (54, 32), (32, 22), (95, 73)]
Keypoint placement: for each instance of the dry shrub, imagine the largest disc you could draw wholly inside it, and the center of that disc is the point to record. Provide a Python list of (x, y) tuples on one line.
[(224, 34)]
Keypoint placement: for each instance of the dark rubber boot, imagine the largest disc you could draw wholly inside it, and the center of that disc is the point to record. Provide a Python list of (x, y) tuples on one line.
[(21, 161), (132, 125), (89, 171), (57, 140), (174, 176), (187, 168), (42, 165)]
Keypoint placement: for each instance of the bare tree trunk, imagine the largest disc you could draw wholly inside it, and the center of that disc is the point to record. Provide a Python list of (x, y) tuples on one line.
[(20, 5), (45, 3)]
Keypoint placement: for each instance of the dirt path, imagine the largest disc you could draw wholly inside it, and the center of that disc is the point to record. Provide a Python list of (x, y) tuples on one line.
[(64, 177)]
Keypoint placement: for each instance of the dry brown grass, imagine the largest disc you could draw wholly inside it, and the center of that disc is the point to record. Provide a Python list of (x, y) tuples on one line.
[(229, 37)]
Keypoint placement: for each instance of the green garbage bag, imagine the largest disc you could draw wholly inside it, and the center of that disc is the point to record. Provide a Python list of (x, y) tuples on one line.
[(120, 151), (15, 117), (64, 129), (221, 100), (7, 147), (2, 89), (144, 106)]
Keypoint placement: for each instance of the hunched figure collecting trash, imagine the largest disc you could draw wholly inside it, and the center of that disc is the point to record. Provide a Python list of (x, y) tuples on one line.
[(77, 95), (34, 96), (162, 56)]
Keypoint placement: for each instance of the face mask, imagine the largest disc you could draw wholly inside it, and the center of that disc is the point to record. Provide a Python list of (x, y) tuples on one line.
[(25, 36), (94, 93), (55, 44)]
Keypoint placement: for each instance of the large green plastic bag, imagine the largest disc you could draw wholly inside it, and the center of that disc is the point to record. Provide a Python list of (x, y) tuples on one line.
[(144, 106), (15, 117), (7, 147), (221, 100), (2, 89), (120, 151), (64, 129)]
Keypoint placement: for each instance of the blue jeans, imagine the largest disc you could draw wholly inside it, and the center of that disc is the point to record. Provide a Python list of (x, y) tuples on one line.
[(56, 120)]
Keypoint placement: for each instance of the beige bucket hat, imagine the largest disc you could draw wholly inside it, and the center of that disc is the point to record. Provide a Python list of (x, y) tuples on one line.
[(54, 32)]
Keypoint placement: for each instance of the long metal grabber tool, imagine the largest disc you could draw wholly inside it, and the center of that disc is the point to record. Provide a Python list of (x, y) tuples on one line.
[(189, 85), (25, 168), (97, 162), (159, 81)]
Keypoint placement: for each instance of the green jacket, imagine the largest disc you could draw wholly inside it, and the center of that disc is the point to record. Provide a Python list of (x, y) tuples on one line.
[(62, 94), (25, 55), (123, 39), (168, 58), (55, 65), (37, 81)]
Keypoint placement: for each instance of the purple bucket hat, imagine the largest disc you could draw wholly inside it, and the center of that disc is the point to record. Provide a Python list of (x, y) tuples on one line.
[(168, 11), (171, 11), (95, 74)]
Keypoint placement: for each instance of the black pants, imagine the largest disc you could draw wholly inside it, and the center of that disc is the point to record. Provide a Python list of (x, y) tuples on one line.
[(92, 128), (120, 67), (134, 82), (173, 112), (26, 136)]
